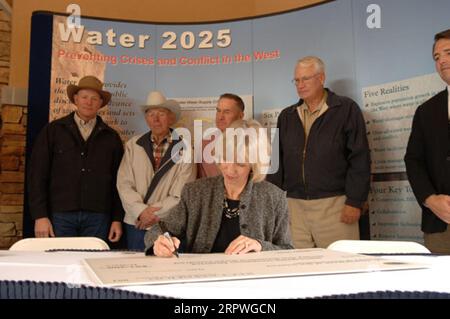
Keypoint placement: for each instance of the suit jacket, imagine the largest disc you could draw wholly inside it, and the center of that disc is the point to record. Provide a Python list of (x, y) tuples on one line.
[(427, 155), (198, 215)]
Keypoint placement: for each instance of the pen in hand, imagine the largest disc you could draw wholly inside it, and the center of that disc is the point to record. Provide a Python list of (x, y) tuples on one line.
[(175, 252), (167, 235)]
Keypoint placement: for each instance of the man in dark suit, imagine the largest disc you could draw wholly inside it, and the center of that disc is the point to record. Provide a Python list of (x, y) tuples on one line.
[(428, 155)]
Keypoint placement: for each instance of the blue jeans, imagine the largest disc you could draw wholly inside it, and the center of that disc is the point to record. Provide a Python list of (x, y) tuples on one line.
[(135, 237), (81, 224)]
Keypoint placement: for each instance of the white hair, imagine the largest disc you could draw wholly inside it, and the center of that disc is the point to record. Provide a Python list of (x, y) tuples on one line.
[(308, 60)]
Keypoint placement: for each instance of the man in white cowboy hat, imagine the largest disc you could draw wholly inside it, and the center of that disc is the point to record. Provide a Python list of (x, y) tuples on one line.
[(73, 169), (150, 179)]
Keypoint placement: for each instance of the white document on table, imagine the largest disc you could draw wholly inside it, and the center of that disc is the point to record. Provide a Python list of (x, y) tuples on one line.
[(212, 267)]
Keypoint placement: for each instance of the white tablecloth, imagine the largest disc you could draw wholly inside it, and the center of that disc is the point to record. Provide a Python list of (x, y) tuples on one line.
[(68, 267)]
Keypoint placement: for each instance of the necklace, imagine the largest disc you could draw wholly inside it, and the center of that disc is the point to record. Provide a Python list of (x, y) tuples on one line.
[(230, 212)]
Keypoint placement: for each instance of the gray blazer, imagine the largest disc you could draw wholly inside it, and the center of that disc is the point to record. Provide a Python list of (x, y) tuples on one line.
[(197, 217)]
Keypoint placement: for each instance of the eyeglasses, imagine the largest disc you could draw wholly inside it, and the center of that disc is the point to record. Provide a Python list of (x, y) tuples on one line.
[(304, 79)]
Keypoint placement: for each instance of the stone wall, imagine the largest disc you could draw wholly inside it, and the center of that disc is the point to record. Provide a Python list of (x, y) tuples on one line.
[(12, 146)]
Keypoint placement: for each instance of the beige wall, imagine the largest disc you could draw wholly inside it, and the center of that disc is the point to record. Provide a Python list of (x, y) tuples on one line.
[(139, 10)]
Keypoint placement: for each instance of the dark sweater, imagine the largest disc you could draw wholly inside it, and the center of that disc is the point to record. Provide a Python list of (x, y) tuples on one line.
[(198, 215)]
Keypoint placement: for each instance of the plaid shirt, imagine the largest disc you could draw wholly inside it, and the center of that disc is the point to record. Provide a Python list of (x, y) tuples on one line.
[(160, 149)]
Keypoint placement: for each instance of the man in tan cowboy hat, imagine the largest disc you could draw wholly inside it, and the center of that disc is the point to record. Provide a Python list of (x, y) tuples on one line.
[(73, 169), (150, 180)]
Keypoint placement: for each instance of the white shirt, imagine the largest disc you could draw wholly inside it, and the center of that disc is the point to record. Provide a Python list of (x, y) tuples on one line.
[(85, 127)]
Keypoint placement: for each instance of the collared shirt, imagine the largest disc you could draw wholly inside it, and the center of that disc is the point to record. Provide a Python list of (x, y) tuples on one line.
[(307, 117), (160, 149), (85, 127)]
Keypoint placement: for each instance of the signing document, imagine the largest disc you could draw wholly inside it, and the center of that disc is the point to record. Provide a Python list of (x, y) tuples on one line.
[(211, 267)]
